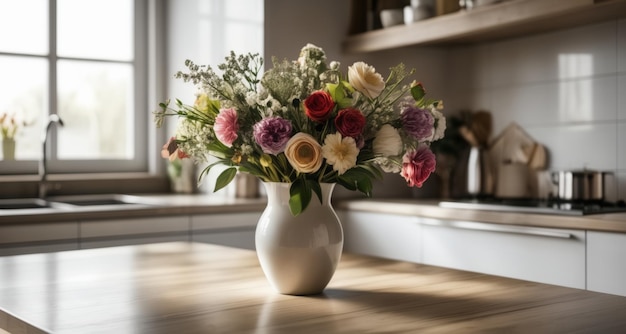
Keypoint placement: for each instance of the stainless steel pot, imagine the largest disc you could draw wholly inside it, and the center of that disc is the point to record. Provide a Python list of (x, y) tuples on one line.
[(580, 185)]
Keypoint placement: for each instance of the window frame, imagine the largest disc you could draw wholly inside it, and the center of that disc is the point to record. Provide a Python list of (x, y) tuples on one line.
[(19, 179), (141, 115)]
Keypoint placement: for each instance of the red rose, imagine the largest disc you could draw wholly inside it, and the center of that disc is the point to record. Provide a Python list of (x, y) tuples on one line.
[(350, 122), (319, 105)]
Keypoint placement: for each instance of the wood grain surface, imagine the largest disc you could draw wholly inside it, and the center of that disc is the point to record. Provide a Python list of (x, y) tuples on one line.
[(201, 288)]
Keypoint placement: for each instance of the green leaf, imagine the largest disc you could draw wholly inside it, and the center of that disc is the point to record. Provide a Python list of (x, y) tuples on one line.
[(337, 92), (219, 150), (332, 88), (317, 189), (225, 177), (214, 106), (299, 196), (374, 171), (207, 169), (357, 179), (417, 91), (365, 186)]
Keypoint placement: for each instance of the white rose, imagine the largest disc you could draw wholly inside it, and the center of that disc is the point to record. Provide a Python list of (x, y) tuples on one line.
[(364, 78), (387, 142)]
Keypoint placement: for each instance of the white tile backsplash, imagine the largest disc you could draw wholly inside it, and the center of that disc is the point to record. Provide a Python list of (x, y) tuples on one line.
[(567, 101), (574, 53), (566, 88), (592, 145)]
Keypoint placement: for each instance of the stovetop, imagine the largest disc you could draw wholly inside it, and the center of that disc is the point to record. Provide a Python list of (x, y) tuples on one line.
[(537, 206)]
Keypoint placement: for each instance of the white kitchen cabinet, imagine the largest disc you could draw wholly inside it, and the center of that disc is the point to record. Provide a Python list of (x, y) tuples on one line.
[(383, 235), (131, 231), (228, 229), (606, 262), (38, 238), (552, 256)]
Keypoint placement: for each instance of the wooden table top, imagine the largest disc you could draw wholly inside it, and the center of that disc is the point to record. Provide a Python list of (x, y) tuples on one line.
[(201, 288)]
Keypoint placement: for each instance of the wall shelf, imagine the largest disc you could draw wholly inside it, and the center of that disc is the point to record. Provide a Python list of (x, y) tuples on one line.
[(501, 20)]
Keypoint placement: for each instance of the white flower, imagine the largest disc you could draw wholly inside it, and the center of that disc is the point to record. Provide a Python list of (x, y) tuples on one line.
[(194, 136), (365, 79), (389, 165), (387, 142), (251, 98), (440, 124), (246, 149), (339, 152)]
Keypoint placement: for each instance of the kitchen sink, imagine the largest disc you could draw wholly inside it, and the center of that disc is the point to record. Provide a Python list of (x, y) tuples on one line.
[(31, 203), (24, 203), (99, 200), (88, 202), (70, 202)]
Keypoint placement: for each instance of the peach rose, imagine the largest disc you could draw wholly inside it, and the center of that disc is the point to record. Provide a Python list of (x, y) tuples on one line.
[(304, 153)]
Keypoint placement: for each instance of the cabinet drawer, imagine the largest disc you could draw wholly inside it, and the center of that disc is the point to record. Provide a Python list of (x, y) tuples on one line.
[(45, 247), (135, 226), (552, 256), (24, 233), (224, 221), (131, 240), (243, 238), (383, 235), (606, 262)]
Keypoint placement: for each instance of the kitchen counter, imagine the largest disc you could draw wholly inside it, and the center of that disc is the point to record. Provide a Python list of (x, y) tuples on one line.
[(608, 222), (201, 288), (169, 204)]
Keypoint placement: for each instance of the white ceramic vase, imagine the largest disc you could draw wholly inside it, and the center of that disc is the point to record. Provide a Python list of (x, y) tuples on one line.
[(298, 254)]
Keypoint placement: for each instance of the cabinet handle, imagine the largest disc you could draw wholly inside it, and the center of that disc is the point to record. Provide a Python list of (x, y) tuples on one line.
[(498, 228)]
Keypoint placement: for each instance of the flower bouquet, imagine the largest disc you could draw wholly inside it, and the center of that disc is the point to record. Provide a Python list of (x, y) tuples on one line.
[(305, 122)]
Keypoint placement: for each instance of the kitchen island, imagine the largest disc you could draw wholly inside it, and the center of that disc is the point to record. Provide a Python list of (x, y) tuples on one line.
[(200, 288)]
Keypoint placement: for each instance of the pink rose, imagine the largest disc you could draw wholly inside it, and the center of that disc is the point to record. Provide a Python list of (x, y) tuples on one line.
[(226, 126), (319, 105), (350, 122), (417, 165)]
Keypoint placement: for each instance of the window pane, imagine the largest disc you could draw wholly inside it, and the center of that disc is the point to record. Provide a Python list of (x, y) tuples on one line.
[(23, 87), (97, 29), (96, 105), (244, 10), (24, 26)]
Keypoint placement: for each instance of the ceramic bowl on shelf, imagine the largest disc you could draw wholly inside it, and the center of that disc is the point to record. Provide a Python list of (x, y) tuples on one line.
[(391, 17)]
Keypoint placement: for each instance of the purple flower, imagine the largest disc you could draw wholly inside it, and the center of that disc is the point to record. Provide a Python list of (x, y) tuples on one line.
[(272, 134), (417, 123)]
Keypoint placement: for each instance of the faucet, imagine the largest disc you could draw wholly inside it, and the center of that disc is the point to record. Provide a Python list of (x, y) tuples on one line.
[(43, 173)]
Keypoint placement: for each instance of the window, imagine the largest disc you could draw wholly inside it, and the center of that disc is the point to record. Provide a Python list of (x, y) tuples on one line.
[(85, 61)]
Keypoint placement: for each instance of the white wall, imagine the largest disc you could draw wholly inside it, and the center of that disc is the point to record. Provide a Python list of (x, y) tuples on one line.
[(566, 88), (205, 31)]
